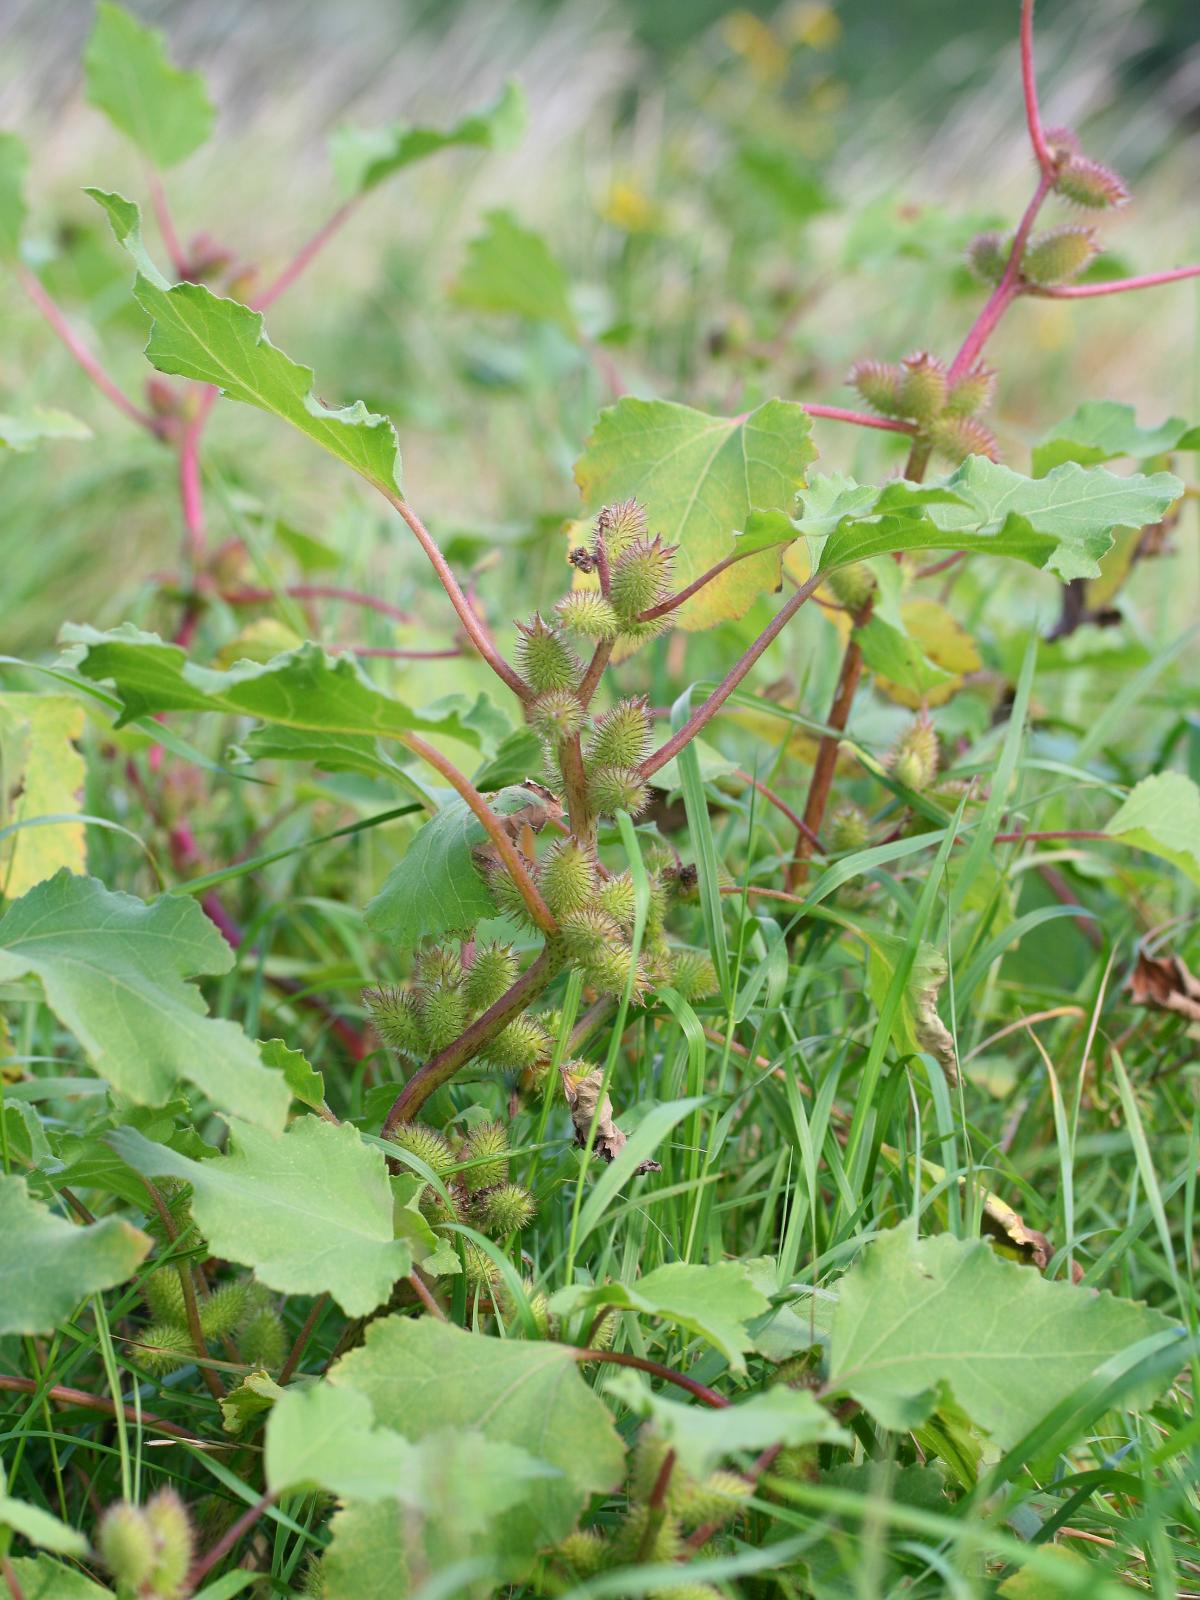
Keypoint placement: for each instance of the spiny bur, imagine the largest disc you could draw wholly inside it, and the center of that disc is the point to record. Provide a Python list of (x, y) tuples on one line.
[(487, 1150), (439, 967), (915, 759), (663, 1542), (617, 897), (556, 715), (619, 526), (878, 382), (165, 1346), (956, 438), (852, 586), (692, 973), (545, 659), (622, 736), (1091, 184), (518, 1045), (585, 1551), (641, 578), (613, 789), (971, 392), (396, 1020), (221, 1311), (427, 1144), (987, 255), (163, 1293), (718, 1499), (1058, 255), (480, 1271), (585, 612), (849, 828), (589, 931), (923, 386), (127, 1546), (443, 1015), (262, 1339), (172, 1530), (493, 970), (506, 1209), (567, 877)]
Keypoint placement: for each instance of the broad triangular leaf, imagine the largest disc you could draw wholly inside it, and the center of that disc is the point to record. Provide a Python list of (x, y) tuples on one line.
[(48, 1264), (715, 1302), (113, 970), (917, 1317), (699, 478), (1162, 815), (363, 158), (1101, 430), (703, 1437), (306, 688), (197, 334), (322, 1437), (310, 1209), (43, 775), (436, 887), (510, 269), (166, 112), (525, 1394), (1063, 522), (304, 1082)]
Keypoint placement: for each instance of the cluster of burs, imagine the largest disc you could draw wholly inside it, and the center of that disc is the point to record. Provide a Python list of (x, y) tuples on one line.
[(944, 406)]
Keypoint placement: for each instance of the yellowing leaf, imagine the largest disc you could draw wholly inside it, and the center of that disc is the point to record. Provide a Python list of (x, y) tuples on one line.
[(943, 641), (42, 774), (699, 478)]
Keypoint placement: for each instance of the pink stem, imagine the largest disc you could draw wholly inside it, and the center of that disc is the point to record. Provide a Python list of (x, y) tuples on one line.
[(317, 591), (1088, 291), (190, 495), (1045, 156), (384, 653), (1005, 292), (860, 418), (33, 288), (304, 256), (166, 226)]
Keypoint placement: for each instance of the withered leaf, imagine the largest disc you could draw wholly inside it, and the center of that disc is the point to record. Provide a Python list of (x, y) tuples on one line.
[(583, 1092), (1164, 984)]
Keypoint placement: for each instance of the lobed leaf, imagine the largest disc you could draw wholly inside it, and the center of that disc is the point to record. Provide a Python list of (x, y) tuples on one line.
[(1101, 430), (113, 970), (1162, 815), (363, 158), (47, 1265), (511, 269), (165, 111), (310, 1210)]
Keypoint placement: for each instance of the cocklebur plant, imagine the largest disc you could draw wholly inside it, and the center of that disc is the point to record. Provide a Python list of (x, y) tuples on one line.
[(402, 1273)]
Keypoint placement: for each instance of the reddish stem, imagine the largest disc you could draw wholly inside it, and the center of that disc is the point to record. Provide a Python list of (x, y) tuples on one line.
[(1089, 291), (730, 681), (1037, 138), (387, 653), (98, 1402), (300, 261), (861, 419), (827, 751), (780, 805), (33, 288), (228, 1539), (190, 493), (296, 1353), (1005, 292), (317, 591), (166, 226), (621, 1358)]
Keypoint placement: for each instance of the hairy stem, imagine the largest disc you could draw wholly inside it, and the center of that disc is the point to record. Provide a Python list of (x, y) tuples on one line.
[(191, 1310), (99, 1402), (505, 849), (442, 1067), (590, 681), (472, 623), (621, 1358), (235, 1532), (50, 311), (570, 760), (705, 713), (827, 752), (1089, 291)]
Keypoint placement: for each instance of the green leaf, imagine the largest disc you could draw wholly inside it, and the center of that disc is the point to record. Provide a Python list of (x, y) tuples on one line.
[(1162, 815), (892, 653), (113, 970), (23, 431), (916, 1318), (310, 1210), (700, 478), (508, 269), (256, 1394), (304, 1082), (1101, 430), (197, 334), (714, 1302), (702, 1437), (43, 774), (363, 158), (305, 689), (436, 887), (48, 1264), (525, 1394), (166, 112), (42, 1578), (125, 220), (13, 163), (40, 1527), (322, 1437), (1063, 522)]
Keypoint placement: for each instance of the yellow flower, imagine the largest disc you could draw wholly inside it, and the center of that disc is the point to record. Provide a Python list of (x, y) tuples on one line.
[(814, 24)]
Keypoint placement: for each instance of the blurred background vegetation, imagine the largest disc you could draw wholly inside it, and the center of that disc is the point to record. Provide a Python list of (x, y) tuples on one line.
[(746, 200)]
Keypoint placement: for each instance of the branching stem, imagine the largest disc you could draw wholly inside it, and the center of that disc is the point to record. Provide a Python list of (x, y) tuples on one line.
[(622, 1358)]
